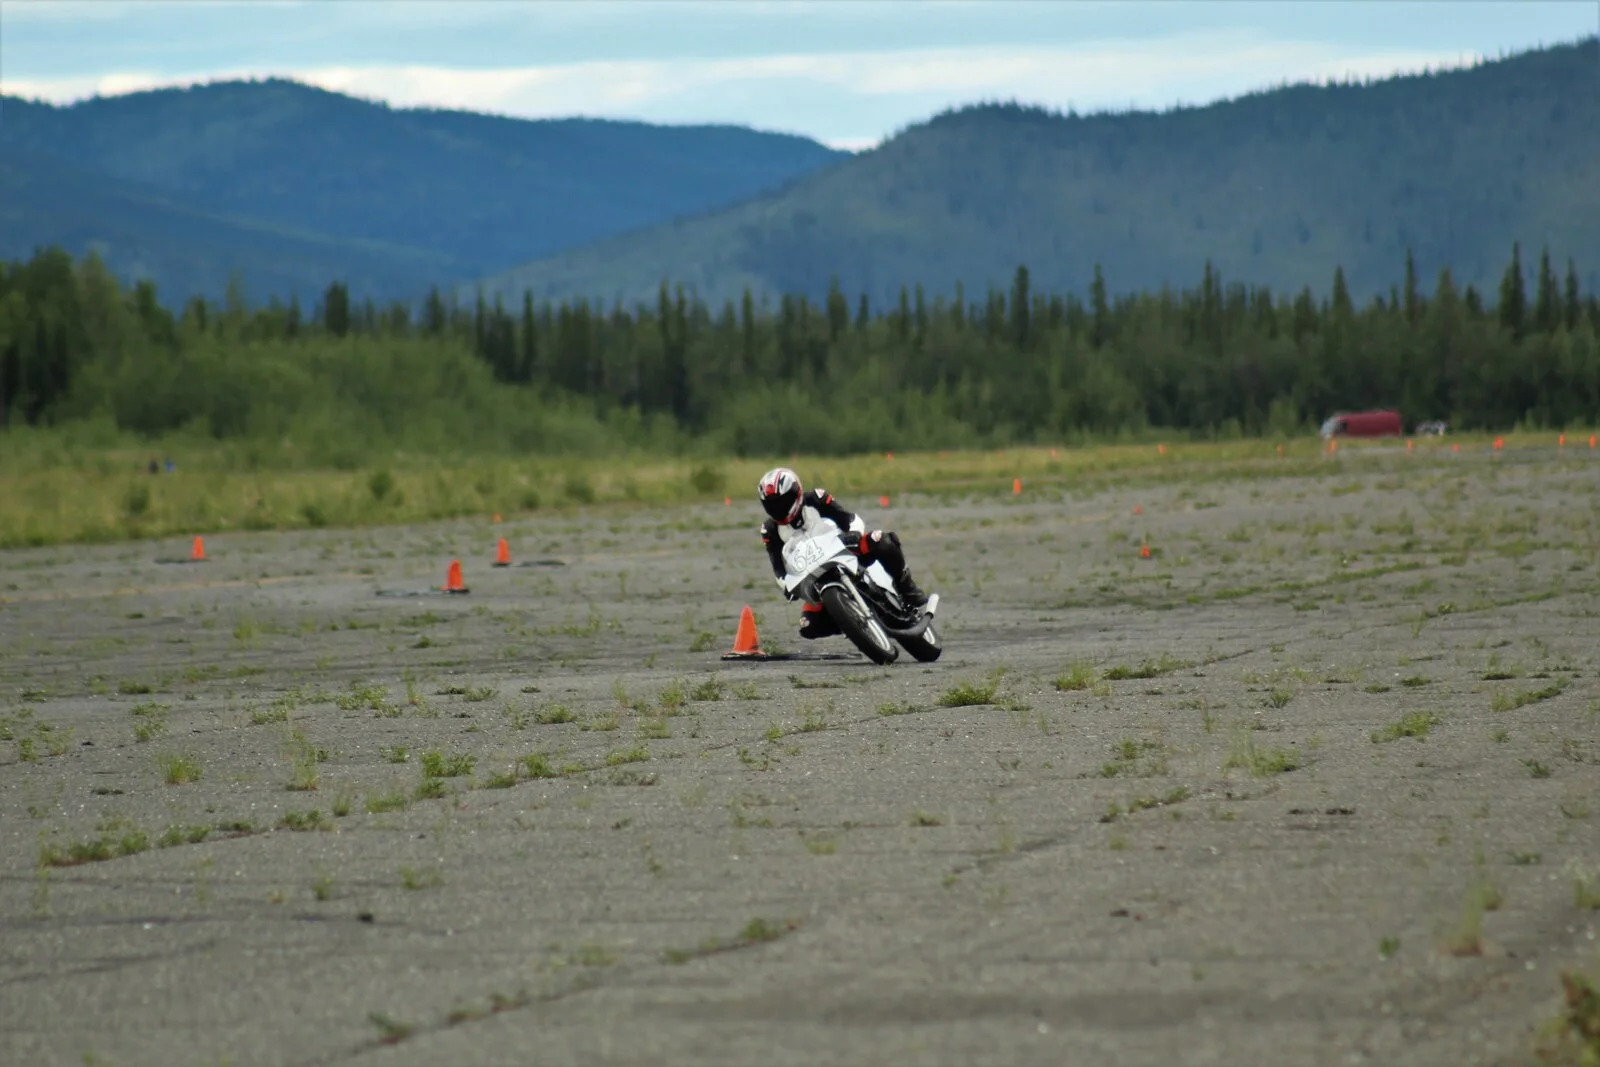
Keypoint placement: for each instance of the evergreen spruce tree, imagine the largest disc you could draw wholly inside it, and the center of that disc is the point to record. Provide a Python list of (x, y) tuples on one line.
[(336, 309), (1572, 306), (1547, 304), (1513, 295), (1021, 308), (528, 357), (1099, 310), (434, 316), (1413, 301)]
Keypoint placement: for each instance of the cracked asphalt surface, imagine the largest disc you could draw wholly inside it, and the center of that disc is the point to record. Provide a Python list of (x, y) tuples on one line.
[(1316, 783)]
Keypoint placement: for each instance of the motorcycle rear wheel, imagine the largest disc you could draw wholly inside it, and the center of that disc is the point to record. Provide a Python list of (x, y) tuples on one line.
[(925, 647), (863, 630)]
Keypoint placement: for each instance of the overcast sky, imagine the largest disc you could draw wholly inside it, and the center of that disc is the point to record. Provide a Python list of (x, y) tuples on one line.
[(848, 72)]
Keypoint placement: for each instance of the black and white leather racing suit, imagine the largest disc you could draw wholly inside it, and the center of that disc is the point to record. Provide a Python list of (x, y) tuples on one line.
[(816, 506)]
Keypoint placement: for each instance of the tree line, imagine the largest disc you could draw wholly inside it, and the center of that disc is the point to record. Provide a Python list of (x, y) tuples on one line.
[(1003, 366)]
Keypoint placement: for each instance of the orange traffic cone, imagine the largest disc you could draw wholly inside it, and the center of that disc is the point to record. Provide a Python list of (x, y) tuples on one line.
[(1016, 487), (197, 553), (452, 581), (1144, 551), (502, 554), (745, 642), (883, 501)]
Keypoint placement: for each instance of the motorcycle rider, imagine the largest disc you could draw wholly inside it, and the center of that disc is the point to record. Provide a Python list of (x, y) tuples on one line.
[(791, 510)]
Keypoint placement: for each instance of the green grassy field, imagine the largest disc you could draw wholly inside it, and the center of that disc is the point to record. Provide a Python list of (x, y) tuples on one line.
[(58, 493)]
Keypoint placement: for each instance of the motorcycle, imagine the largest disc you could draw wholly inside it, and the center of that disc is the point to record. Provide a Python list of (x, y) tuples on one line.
[(861, 601)]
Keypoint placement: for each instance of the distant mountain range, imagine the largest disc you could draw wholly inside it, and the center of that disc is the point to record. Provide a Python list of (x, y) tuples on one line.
[(1277, 187), (293, 187)]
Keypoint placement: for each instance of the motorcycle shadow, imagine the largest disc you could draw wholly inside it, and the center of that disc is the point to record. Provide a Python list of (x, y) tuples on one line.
[(796, 657)]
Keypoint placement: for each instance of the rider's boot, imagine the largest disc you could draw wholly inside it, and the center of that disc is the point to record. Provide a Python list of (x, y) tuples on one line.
[(909, 590), (815, 623)]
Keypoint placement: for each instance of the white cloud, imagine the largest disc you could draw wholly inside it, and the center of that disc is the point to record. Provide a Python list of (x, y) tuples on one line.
[(843, 98), (70, 11)]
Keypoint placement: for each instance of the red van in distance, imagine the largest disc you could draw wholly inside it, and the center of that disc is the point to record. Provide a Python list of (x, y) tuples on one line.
[(1364, 424)]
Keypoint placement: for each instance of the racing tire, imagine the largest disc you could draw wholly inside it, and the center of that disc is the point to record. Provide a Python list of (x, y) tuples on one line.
[(862, 628), (925, 647)]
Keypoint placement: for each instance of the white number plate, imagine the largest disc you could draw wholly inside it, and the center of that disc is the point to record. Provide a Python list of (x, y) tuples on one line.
[(801, 556)]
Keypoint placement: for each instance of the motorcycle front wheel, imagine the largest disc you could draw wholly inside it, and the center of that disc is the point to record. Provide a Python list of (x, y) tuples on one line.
[(862, 628)]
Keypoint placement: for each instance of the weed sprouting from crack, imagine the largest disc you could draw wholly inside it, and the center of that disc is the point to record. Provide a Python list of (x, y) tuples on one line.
[(758, 931), (1504, 701), (179, 768), (554, 714), (1164, 664), (361, 696), (800, 683), (1145, 803), (1079, 676), (671, 699), (1585, 889), (382, 802), (1136, 758), (149, 720), (436, 764), (604, 723), (1279, 698), (390, 1031), (427, 878), (820, 846), (709, 690), (636, 754), (1412, 724), (969, 694), (1572, 1039), (537, 765), (304, 757), (1260, 761), (1466, 937), (304, 820), (116, 837)]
